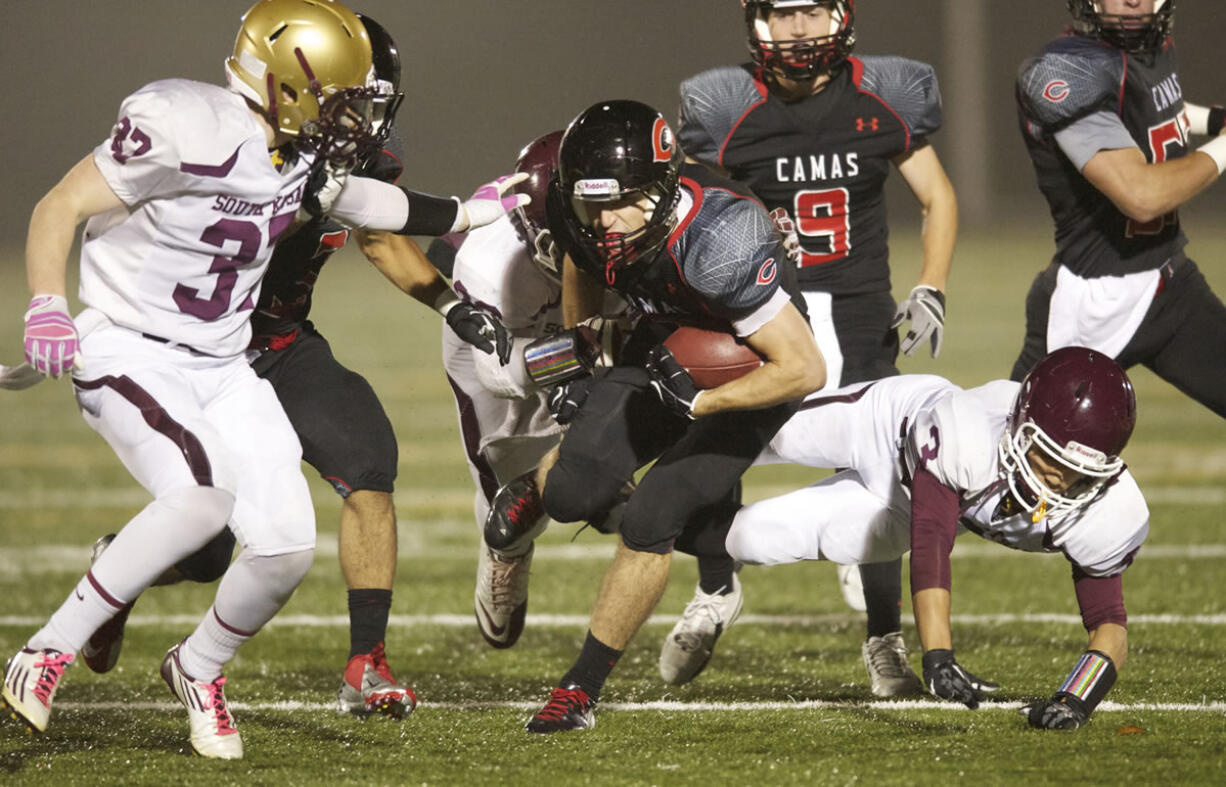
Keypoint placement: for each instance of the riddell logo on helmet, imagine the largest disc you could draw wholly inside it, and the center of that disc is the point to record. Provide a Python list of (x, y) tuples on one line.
[(662, 141), (1085, 453), (597, 187)]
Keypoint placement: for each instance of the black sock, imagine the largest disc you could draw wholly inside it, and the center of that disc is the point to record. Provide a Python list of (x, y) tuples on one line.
[(596, 661), (368, 610), (883, 596), (715, 574)]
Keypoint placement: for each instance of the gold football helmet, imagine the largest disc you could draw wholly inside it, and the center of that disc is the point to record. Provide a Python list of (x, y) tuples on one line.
[(292, 56)]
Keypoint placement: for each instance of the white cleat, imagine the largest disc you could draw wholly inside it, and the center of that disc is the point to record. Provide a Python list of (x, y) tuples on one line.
[(30, 680), (501, 598), (888, 670), (688, 647), (212, 727), (852, 587)]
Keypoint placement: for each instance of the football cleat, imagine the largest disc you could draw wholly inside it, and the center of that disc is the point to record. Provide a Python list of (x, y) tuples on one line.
[(852, 587), (688, 647), (888, 670), (516, 516), (368, 688), (101, 652), (501, 599), (213, 733), (30, 680), (569, 708)]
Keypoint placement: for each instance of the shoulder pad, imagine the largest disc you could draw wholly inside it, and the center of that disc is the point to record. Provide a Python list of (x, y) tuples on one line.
[(730, 243), (955, 440), (206, 123), (1071, 78), (909, 87), (712, 104)]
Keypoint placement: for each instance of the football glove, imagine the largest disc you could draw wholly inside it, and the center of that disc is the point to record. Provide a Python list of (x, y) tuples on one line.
[(51, 341), (490, 202), (565, 400), (925, 308), (480, 329), (672, 383), (787, 228), (946, 679), (1057, 713), (323, 186)]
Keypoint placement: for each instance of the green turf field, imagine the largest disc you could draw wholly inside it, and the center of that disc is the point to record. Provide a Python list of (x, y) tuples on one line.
[(784, 701)]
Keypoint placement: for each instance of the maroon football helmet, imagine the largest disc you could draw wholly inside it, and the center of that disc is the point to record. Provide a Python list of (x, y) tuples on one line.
[(539, 159), (804, 58), (1078, 407)]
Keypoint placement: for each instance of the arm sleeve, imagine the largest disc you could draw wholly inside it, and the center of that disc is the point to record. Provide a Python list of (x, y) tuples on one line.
[(1083, 138), (1101, 599), (934, 525), (372, 204)]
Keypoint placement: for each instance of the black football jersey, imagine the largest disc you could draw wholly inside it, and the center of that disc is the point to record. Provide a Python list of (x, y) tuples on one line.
[(824, 158), (285, 294), (718, 266), (1073, 79)]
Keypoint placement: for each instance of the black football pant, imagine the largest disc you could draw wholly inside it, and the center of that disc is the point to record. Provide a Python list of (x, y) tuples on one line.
[(621, 427), (1182, 338)]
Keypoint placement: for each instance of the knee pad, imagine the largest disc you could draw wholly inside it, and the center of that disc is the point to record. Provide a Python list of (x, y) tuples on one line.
[(579, 497), (205, 508), (281, 574), (210, 562)]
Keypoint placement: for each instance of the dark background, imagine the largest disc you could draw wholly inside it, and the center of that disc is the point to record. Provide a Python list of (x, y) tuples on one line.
[(484, 76)]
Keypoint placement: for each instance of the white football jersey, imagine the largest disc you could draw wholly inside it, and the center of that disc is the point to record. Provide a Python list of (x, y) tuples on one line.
[(883, 430), (204, 205), (495, 269)]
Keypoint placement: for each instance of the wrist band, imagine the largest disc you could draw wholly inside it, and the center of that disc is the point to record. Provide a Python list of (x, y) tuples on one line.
[(1216, 149), (1090, 680), (446, 301)]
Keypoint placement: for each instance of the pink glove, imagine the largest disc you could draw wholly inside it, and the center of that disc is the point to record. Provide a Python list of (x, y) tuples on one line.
[(51, 336), (491, 202)]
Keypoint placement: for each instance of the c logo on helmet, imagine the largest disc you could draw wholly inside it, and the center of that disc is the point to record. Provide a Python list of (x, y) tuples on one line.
[(1056, 91), (661, 141)]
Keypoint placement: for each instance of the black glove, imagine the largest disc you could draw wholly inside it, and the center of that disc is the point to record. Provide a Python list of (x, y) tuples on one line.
[(1061, 712), (565, 400), (946, 679), (672, 383), (480, 329)]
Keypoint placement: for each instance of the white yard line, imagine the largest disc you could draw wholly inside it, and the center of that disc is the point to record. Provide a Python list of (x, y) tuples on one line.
[(667, 706), (569, 621)]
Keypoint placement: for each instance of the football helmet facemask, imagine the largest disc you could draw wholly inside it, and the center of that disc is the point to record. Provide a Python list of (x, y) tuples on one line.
[(307, 64), (1134, 33), (1078, 408), (805, 58), (539, 160), (620, 152), (385, 56)]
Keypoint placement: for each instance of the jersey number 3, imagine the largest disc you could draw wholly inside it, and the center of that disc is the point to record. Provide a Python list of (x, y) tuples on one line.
[(823, 216)]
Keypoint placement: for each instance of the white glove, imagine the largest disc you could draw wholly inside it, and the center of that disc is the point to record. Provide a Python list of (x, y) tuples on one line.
[(925, 308), (323, 186), (490, 203)]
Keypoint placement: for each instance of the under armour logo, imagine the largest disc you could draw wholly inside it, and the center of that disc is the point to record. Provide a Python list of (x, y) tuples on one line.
[(872, 124)]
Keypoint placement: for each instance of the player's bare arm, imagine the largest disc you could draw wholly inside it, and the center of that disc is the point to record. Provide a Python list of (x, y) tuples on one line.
[(1144, 191), (582, 295), (924, 175), (793, 369), (402, 262), (80, 194)]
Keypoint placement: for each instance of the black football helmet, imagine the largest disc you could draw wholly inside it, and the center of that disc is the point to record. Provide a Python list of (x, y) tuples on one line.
[(1132, 33), (385, 56), (1078, 407), (616, 151), (804, 58), (539, 160)]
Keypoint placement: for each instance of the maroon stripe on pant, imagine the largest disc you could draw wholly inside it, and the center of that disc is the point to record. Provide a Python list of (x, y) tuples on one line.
[(161, 422), (470, 430)]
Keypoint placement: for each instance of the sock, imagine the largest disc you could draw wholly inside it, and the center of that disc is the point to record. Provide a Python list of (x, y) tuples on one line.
[(87, 607), (368, 611), (596, 661), (213, 643), (882, 596), (715, 574)]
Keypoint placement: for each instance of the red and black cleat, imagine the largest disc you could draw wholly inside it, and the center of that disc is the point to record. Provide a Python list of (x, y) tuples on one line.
[(569, 708)]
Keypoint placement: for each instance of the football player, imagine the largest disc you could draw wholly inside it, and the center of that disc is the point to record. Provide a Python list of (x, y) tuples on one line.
[(678, 247), (1034, 467), (1104, 120), (184, 203), (339, 420), (814, 132)]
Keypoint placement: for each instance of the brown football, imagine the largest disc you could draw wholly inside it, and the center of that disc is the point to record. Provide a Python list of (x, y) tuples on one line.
[(711, 357)]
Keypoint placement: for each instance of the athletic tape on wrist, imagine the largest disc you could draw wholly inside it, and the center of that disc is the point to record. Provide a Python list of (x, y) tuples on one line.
[(557, 359), (1090, 680), (446, 301), (1216, 149)]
